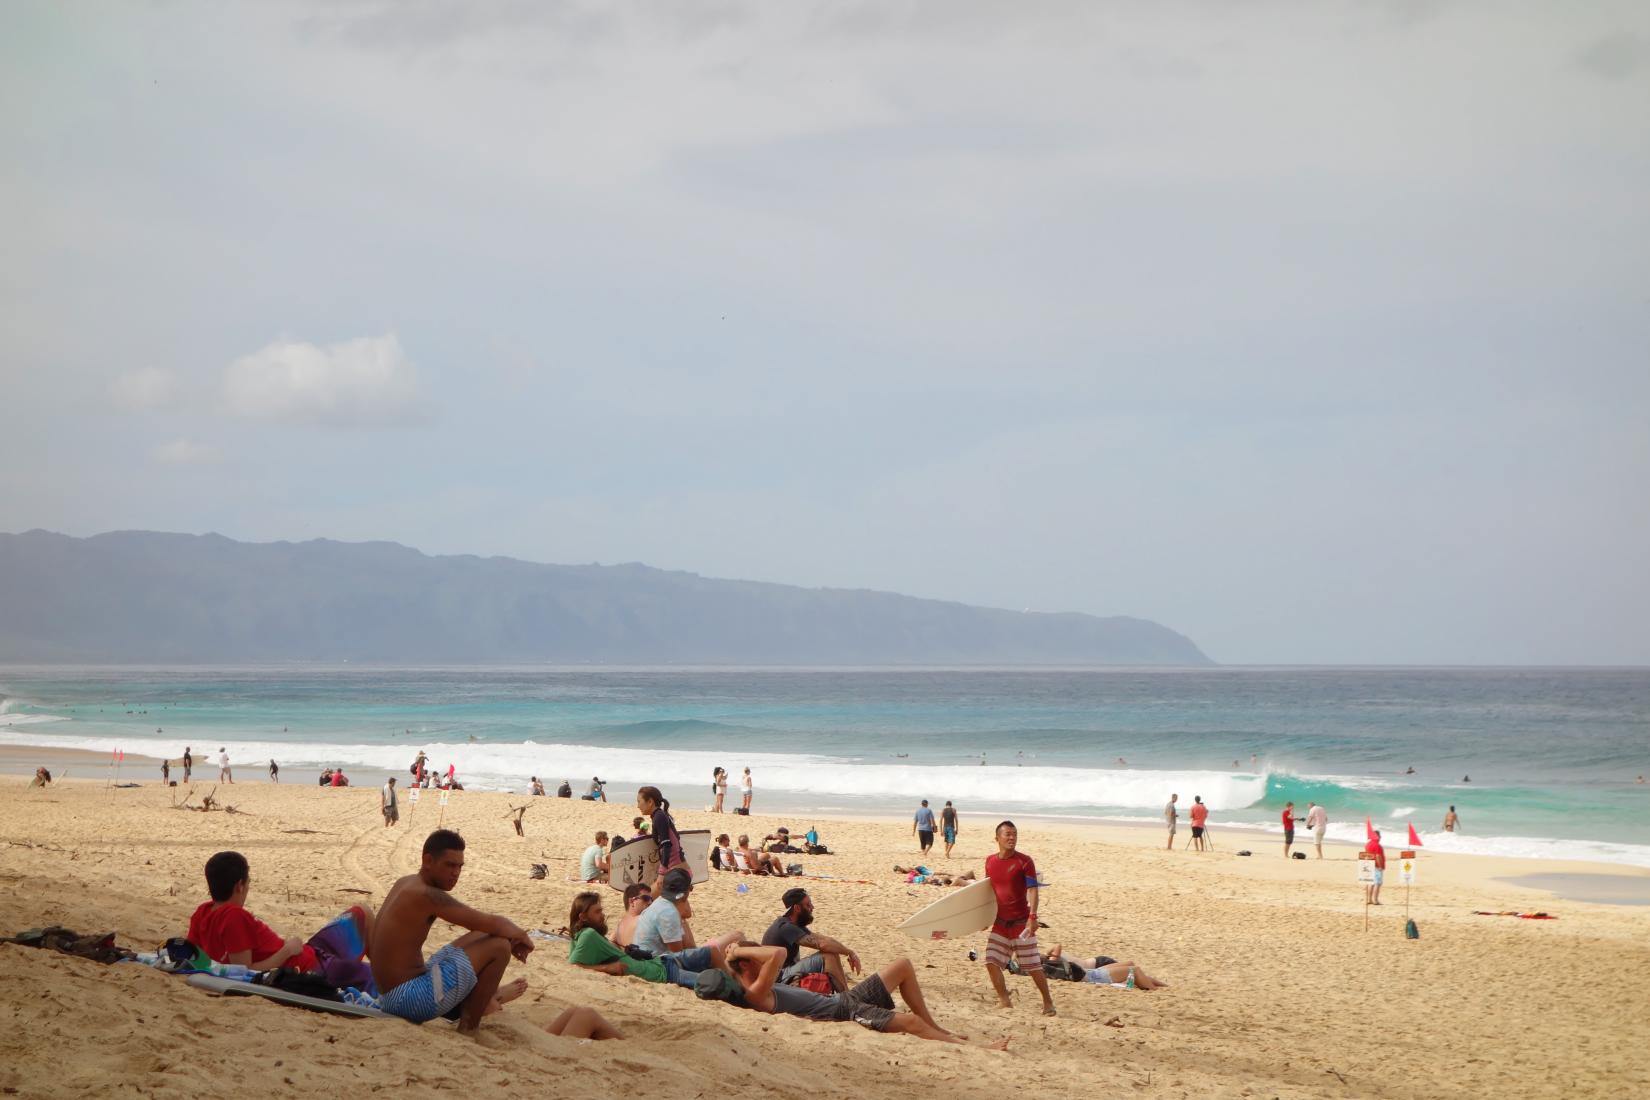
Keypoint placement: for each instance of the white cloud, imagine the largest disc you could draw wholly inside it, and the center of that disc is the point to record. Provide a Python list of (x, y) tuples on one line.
[(146, 388), (368, 381), (186, 452)]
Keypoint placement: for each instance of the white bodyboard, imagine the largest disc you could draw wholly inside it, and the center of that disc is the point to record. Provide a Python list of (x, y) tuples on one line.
[(638, 861)]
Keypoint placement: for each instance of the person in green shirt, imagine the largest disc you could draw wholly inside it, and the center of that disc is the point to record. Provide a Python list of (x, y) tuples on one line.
[(591, 949)]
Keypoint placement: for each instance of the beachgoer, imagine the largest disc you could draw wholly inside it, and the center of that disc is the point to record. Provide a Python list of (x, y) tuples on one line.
[(790, 931), (1451, 820), (535, 787), (388, 803), (597, 791), (591, 949), (1121, 975), (42, 778), (1317, 819), (1288, 827), (1200, 815), (1640, 781), (636, 900), (565, 790), (417, 769), (718, 789), (1372, 892), (640, 825), (1466, 779), (811, 843), (1171, 818), (165, 772), (582, 1022), (922, 826), (758, 863), (650, 801), (1013, 935), (464, 975), (664, 928), (326, 778), (745, 788), (229, 934), (948, 827), (755, 985), (224, 774), (722, 855), (1410, 770), (339, 779), (274, 771), (188, 763), (593, 864)]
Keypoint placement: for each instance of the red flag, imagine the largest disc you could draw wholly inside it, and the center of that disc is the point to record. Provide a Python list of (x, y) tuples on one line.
[(1369, 829), (1414, 840)]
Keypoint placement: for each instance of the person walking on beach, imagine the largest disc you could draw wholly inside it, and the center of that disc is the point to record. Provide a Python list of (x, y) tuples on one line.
[(1200, 814), (1317, 819), (1451, 820), (923, 826), (1171, 817), (188, 763), (224, 774), (745, 789), (274, 771), (464, 975), (165, 773), (1013, 935), (948, 826), (1372, 892), (1288, 827), (391, 808), (666, 841)]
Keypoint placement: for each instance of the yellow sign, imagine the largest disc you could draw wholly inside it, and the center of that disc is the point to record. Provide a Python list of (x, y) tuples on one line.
[(1406, 872)]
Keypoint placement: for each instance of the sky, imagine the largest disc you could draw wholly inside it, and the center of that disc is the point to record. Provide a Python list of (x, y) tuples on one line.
[(1319, 332)]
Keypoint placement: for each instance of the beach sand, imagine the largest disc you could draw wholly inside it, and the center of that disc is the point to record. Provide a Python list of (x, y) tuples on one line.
[(1278, 990)]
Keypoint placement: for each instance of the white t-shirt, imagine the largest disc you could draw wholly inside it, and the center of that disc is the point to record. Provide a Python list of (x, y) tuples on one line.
[(223, 760), (1317, 818), (659, 925), (588, 867), (1170, 813), (745, 783)]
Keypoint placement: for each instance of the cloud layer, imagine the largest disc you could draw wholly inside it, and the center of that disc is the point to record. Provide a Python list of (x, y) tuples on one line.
[(367, 382)]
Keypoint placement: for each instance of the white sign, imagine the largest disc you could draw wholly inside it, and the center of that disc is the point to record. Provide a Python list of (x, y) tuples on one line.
[(1406, 872), (444, 795), (412, 796), (1366, 868)]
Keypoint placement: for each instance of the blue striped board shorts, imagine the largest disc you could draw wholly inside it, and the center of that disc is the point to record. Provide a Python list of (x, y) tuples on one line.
[(448, 978)]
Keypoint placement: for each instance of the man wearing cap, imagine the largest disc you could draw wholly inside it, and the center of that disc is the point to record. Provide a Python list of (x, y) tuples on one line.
[(663, 927), (790, 931)]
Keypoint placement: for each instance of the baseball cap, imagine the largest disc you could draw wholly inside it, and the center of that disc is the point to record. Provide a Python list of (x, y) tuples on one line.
[(678, 884), (794, 896)]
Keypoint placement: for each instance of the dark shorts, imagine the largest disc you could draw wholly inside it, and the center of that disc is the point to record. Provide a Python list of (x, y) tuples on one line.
[(925, 837), (1197, 831), (869, 1004), (1289, 836), (810, 964)]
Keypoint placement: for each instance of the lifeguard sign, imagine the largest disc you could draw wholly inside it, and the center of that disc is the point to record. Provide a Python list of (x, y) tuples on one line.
[(1406, 868), (1366, 868)]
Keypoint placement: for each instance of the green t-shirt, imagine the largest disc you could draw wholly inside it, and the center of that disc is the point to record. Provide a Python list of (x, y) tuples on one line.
[(591, 948)]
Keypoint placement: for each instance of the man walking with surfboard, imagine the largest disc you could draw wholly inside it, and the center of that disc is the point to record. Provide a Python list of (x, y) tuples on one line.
[(1013, 877)]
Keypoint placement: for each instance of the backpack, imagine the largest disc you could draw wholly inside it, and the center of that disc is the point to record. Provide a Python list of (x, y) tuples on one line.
[(816, 983)]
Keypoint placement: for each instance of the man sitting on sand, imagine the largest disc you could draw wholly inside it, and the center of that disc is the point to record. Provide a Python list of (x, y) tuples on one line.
[(462, 978), (663, 928), (758, 863), (227, 933), (591, 949), (790, 931), (593, 865), (637, 897), (754, 983)]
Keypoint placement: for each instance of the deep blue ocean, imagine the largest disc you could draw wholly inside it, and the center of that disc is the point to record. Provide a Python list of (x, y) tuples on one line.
[(1552, 754)]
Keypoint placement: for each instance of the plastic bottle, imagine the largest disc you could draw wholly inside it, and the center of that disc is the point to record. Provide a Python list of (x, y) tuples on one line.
[(232, 970)]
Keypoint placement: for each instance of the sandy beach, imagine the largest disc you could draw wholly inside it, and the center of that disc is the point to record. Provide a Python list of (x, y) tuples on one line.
[(1277, 989)]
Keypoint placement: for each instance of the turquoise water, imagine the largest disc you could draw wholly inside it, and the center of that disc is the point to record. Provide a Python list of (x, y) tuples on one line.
[(1552, 754)]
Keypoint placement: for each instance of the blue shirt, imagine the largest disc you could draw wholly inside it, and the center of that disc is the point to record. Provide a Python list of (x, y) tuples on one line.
[(925, 820), (659, 926)]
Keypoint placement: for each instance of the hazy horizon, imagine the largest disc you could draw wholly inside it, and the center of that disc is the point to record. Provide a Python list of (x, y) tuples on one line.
[(1315, 333)]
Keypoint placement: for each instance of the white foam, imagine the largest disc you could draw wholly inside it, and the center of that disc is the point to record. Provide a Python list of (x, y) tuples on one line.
[(8, 719)]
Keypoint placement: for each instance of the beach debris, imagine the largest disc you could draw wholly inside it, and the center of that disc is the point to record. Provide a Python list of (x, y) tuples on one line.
[(539, 870), (99, 946)]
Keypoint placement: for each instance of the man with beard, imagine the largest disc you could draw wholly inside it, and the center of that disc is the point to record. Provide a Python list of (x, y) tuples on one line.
[(591, 949), (790, 931)]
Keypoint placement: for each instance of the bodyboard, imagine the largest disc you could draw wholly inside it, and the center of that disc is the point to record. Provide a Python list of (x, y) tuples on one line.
[(230, 987)]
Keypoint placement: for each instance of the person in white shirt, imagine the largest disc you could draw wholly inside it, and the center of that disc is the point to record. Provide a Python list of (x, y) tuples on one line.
[(387, 799), (224, 774), (745, 789), (1317, 819), (594, 863)]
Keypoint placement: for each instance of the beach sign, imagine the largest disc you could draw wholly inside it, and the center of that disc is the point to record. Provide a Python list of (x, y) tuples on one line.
[(1366, 868), (412, 796), (444, 795), (1406, 869)]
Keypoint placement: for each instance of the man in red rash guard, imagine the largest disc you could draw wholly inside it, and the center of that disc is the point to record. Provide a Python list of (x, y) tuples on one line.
[(1288, 827), (1013, 877)]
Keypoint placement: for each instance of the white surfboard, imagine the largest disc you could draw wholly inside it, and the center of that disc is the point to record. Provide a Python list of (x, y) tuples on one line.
[(638, 861), (959, 913)]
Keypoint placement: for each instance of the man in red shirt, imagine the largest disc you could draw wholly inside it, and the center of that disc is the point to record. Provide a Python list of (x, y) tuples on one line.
[(1372, 892), (1200, 814), (1288, 827), (227, 933), (1013, 877)]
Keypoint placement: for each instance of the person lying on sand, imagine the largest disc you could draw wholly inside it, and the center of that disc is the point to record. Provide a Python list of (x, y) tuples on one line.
[(224, 929), (591, 949), (922, 876), (752, 981), (461, 979), (1122, 975), (760, 863)]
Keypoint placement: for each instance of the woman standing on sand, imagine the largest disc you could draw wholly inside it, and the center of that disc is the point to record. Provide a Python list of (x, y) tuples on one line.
[(718, 788), (745, 789)]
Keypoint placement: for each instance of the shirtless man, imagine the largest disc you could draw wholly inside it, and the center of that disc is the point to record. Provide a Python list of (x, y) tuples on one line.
[(637, 897), (1451, 821), (462, 978)]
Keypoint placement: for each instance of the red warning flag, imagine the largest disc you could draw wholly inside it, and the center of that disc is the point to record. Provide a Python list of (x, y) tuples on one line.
[(1369, 829), (1414, 840)]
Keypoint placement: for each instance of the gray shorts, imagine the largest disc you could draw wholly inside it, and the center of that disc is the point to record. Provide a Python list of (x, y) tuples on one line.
[(811, 964), (869, 1004)]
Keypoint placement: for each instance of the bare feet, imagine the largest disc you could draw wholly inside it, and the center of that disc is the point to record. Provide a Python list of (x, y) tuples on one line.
[(1048, 1009), (506, 993), (1004, 1002)]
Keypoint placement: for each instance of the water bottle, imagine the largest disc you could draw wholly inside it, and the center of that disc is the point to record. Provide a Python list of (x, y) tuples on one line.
[(233, 971), (743, 889), (148, 958)]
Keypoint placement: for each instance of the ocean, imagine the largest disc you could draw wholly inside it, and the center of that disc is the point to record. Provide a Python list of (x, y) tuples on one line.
[(1552, 754)]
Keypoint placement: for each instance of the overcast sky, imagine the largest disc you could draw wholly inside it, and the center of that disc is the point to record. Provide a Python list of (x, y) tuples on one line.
[(1319, 332)]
